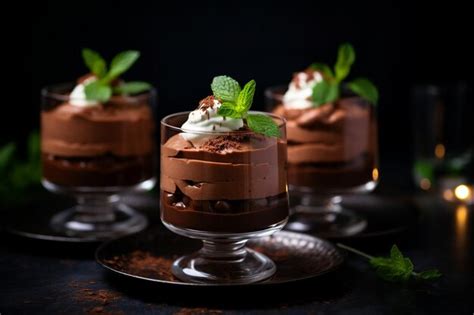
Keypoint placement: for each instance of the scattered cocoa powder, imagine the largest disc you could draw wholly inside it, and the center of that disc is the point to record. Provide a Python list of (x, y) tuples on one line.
[(143, 264), (193, 311), (101, 298)]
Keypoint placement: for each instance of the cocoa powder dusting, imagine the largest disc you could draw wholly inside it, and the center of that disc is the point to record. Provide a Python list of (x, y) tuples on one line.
[(201, 310), (143, 264), (206, 103), (222, 144), (102, 298)]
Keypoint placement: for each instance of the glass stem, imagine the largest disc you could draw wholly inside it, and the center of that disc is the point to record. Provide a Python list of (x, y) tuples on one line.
[(229, 251), (96, 208)]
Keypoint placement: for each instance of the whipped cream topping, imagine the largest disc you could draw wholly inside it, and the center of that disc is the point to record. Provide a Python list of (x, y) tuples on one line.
[(78, 95), (205, 119), (300, 90)]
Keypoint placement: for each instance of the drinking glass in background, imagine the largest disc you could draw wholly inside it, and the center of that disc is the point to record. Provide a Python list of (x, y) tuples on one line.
[(444, 140)]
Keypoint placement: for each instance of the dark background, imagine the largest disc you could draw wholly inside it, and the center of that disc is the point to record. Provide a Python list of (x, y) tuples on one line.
[(183, 45)]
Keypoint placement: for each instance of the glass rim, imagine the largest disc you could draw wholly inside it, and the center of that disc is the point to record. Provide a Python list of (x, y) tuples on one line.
[(281, 124), (47, 91)]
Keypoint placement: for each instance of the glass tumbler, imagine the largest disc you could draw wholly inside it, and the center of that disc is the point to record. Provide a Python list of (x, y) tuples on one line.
[(224, 189), (94, 153), (332, 151)]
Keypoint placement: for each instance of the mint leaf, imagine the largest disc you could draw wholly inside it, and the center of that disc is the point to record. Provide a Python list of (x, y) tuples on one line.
[(345, 59), (245, 98), (227, 109), (325, 92), (94, 62), (133, 87), (390, 270), (365, 89), (121, 63), (323, 68), (395, 268), (98, 91), (225, 88), (429, 274), (263, 124), (6, 156)]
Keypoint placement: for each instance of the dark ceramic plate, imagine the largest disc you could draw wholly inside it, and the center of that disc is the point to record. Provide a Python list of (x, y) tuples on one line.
[(386, 216), (31, 218), (149, 255)]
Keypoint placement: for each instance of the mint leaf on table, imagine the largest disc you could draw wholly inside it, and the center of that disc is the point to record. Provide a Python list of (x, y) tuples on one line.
[(263, 125), (98, 91), (395, 268), (245, 98), (121, 63), (94, 62), (365, 89), (345, 59), (133, 87), (428, 274), (323, 68), (225, 88), (236, 103), (325, 92)]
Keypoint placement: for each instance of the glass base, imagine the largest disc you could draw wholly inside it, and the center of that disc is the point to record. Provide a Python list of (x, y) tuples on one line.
[(326, 219), (223, 258), (99, 219), (242, 266)]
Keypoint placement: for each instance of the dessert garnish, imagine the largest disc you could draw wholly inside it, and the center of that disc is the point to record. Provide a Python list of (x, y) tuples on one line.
[(103, 83), (236, 102), (395, 268), (16, 175), (329, 88)]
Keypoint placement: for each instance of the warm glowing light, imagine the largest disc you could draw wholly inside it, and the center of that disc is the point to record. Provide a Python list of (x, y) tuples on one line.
[(448, 195), (440, 151), (425, 184), (375, 174), (461, 216), (462, 192)]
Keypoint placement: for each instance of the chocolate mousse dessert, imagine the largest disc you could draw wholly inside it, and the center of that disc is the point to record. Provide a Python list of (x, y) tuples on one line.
[(223, 169), (100, 134), (331, 128)]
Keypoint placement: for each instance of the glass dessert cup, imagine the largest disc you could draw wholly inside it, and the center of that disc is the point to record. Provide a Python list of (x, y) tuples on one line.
[(95, 153), (224, 189), (332, 151)]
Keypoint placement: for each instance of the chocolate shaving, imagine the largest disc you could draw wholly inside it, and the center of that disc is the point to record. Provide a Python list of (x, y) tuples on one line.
[(206, 103)]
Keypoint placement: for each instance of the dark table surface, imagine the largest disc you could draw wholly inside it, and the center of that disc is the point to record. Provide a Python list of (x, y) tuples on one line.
[(39, 277)]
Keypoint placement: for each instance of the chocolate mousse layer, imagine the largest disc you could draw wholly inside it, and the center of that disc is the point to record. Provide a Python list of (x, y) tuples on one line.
[(331, 148), (97, 146), (228, 184)]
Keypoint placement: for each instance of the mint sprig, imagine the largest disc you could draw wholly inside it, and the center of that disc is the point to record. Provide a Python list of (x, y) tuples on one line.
[(101, 89), (396, 267), (329, 89), (18, 174), (236, 103)]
